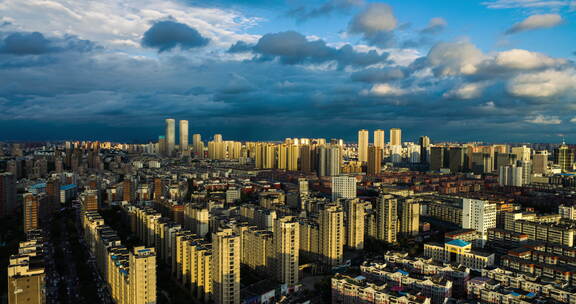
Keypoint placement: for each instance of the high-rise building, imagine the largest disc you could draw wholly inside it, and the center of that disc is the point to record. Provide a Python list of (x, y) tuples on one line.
[(31, 211), (7, 193), (424, 149), (343, 187), (198, 145), (438, 157), (183, 135), (355, 213), (374, 160), (478, 215), (142, 275), (457, 159), (305, 159), (286, 247), (387, 218), (303, 187), (127, 190), (363, 145), (395, 137), (89, 200), (540, 163), (226, 267), (564, 157), (379, 139), (170, 136), (26, 274), (522, 153), (218, 137), (331, 239), (409, 213)]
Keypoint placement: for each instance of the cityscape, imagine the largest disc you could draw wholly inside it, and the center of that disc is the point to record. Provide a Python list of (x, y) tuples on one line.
[(288, 151)]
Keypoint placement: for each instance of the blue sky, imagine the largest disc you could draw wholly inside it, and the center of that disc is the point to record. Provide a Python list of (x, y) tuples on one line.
[(493, 70)]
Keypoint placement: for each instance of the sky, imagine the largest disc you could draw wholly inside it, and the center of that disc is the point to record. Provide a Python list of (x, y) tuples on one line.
[(454, 70)]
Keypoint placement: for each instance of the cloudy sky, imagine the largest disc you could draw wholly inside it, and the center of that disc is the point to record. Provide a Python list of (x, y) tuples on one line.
[(492, 70)]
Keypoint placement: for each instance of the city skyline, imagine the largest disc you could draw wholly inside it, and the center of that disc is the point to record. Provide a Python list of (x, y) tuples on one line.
[(453, 70)]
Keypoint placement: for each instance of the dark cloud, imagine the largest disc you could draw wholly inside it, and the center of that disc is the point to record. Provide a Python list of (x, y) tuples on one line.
[(293, 48), (302, 13), (240, 47), (35, 43), (166, 35), (26, 44)]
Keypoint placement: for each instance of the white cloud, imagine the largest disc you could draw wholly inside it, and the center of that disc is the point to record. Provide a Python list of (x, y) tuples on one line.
[(502, 4), (467, 91), (536, 22), (544, 120), (573, 120), (374, 18), (525, 60), (435, 25), (543, 84), (384, 89), (121, 23), (451, 58)]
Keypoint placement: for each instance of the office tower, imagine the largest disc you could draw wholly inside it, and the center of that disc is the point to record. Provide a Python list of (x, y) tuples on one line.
[(127, 190), (183, 135), (198, 145), (510, 175), (170, 136), (303, 187), (355, 213), (334, 160), (424, 149), (226, 267), (456, 159), (31, 211), (478, 215), (437, 157), (305, 159), (142, 275), (504, 159), (396, 154), (395, 137), (526, 166), (386, 218), (379, 139), (343, 187), (7, 194), (522, 153), (409, 214), (26, 274), (218, 137), (331, 239), (286, 247), (481, 162), (363, 145), (374, 160), (540, 163), (564, 157)]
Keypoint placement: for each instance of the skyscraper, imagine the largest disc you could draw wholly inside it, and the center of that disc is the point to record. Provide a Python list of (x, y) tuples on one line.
[(170, 136), (332, 235), (183, 135), (387, 218), (363, 145), (286, 247), (564, 157), (142, 275), (343, 187), (7, 193), (374, 160), (409, 213), (395, 137), (226, 267), (31, 212), (379, 138), (218, 137), (424, 149), (355, 213)]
